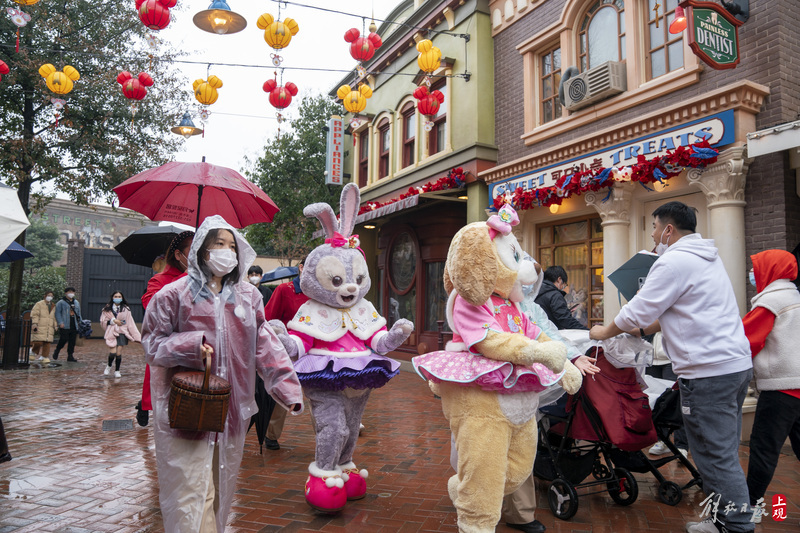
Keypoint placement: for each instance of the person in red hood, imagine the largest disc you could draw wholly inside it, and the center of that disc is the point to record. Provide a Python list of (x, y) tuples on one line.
[(177, 263), (773, 329)]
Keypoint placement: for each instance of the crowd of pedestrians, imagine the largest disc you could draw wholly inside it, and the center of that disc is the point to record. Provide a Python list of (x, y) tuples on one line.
[(208, 306)]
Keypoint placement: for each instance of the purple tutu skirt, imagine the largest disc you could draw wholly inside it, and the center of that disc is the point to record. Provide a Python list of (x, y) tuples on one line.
[(337, 373)]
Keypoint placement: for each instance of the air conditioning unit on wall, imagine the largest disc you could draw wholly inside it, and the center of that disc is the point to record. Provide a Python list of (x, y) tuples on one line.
[(594, 85)]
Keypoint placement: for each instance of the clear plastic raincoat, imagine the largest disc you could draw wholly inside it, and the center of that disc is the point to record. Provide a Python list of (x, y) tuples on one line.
[(180, 317)]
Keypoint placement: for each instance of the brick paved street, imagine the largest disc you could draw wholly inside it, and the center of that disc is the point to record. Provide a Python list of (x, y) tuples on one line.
[(70, 476)]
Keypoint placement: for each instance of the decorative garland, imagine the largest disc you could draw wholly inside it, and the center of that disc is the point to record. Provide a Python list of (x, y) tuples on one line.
[(454, 179), (659, 169)]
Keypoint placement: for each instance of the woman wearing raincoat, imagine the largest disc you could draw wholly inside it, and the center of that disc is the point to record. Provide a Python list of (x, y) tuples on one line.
[(212, 309)]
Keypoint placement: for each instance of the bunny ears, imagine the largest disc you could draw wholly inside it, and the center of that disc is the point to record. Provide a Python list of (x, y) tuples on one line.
[(347, 215)]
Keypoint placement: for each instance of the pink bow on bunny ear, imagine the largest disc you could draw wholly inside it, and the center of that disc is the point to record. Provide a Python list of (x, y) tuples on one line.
[(503, 221)]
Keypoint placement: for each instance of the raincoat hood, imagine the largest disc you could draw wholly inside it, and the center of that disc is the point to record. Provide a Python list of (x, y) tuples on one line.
[(772, 265), (244, 252), (695, 244)]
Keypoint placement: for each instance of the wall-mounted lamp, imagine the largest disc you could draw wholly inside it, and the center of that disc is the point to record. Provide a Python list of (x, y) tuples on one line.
[(186, 127), (659, 186), (369, 226), (219, 19), (554, 208), (679, 24)]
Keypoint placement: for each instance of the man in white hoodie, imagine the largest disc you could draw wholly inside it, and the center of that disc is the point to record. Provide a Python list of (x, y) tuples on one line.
[(689, 297)]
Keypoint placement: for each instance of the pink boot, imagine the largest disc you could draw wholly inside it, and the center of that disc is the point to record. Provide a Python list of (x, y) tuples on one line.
[(355, 481), (325, 489)]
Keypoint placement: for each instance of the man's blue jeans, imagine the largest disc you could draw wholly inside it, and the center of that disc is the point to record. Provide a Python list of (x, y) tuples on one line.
[(712, 416)]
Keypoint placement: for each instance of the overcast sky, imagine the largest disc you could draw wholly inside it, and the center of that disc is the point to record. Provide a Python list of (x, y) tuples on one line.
[(318, 44)]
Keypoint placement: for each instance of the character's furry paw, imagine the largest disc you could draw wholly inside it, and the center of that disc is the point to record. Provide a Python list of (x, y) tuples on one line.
[(434, 388), (395, 336), (572, 379), (283, 335), (551, 354)]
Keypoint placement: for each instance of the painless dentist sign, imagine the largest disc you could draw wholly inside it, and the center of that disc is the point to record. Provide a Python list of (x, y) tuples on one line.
[(716, 129)]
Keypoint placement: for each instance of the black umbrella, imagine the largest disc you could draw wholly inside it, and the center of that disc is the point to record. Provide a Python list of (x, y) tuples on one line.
[(265, 407), (143, 245), (14, 252), (280, 273)]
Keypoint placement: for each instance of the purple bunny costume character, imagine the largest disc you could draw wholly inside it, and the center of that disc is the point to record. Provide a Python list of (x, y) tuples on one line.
[(339, 339)]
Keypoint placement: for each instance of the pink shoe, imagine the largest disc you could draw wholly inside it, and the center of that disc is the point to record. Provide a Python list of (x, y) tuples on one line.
[(325, 489), (355, 481)]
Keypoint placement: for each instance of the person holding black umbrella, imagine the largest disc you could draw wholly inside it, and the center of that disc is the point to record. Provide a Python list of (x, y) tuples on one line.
[(177, 260)]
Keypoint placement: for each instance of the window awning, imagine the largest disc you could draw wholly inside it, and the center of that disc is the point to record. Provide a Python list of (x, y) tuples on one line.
[(775, 139), (405, 203)]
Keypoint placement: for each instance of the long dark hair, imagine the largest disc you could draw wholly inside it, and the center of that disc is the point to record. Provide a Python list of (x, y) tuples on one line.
[(178, 244), (233, 275), (110, 305)]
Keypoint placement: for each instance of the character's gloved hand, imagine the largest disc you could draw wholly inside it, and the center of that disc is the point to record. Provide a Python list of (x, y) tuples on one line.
[(395, 337), (283, 335), (572, 379), (551, 354)]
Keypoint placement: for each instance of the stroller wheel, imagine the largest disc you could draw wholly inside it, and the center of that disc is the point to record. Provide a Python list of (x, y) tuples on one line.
[(670, 493), (624, 490), (600, 471), (563, 499)]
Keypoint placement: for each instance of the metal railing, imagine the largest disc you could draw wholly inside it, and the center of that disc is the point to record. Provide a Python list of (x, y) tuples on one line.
[(16, 339)]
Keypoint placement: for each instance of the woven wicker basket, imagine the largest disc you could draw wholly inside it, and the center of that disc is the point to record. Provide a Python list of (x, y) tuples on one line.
[(198, 401)]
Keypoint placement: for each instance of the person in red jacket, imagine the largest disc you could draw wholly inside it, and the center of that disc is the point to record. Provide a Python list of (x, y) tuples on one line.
[(773, 329), (177, 263), (286, 299)]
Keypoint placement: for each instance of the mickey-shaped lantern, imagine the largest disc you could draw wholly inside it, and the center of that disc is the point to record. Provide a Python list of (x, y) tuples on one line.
[(134, 88), (354, 100), (278, 34), (280, 96), (429, 58), (362, 48), (428, 103), (3, 69), (205, 91), (57, 81), (155, 13)]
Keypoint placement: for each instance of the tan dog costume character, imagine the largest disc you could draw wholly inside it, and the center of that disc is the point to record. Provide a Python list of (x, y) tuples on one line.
[(491, 373)]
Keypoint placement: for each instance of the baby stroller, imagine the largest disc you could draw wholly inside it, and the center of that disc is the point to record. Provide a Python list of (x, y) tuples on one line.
[(667, 419), (578, 439)]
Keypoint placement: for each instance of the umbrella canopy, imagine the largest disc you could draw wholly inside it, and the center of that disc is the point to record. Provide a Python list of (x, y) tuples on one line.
[(13, 219), (143, 245), (190, 192), (14, 252), (627, 277), (280, 273)]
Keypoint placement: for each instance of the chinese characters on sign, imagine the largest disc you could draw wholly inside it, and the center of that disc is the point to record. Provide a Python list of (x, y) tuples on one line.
[(334, 157)]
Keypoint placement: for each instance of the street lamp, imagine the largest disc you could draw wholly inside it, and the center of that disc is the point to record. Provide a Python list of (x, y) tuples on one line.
[(186, 127), (219, 19)]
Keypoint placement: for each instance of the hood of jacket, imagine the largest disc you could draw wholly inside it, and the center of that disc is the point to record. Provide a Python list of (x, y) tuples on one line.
[(697, 245), (772, 265), (245, 253)]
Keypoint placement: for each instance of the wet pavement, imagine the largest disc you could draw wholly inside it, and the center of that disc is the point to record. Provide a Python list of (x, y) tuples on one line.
[(69, 475)]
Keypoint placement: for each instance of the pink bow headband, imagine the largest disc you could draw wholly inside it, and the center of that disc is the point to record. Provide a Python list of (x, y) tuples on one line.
[(340, 241), (503, 221)]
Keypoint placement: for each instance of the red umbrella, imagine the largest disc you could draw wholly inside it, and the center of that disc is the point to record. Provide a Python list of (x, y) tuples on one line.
[(189, 192)]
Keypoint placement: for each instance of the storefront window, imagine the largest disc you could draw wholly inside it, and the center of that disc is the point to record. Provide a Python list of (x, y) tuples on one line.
[(577, 246), (435, 296), (402, 270)]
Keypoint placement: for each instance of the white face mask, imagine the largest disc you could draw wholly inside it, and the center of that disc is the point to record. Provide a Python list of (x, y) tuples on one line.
[(255, 279), (221, 261), (70, 295), (48, 298), (661, 247)]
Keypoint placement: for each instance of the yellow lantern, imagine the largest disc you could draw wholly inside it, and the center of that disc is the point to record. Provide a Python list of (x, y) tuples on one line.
[(429, 56), (354, 101), (57, 81), (206, 90), (278, 34), (26, 2)]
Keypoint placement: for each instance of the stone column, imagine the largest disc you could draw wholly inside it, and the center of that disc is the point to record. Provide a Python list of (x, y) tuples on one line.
[(723, 186), (616, 215)]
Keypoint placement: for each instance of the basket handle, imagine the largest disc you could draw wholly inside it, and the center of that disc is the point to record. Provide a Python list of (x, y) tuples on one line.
[(207, 376)]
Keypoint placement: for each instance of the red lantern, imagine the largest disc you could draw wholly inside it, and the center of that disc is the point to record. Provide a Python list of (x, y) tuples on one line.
[(280, 96), (3, 69), (429, 102), (362, 48), (155, 13), (134, 88)]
